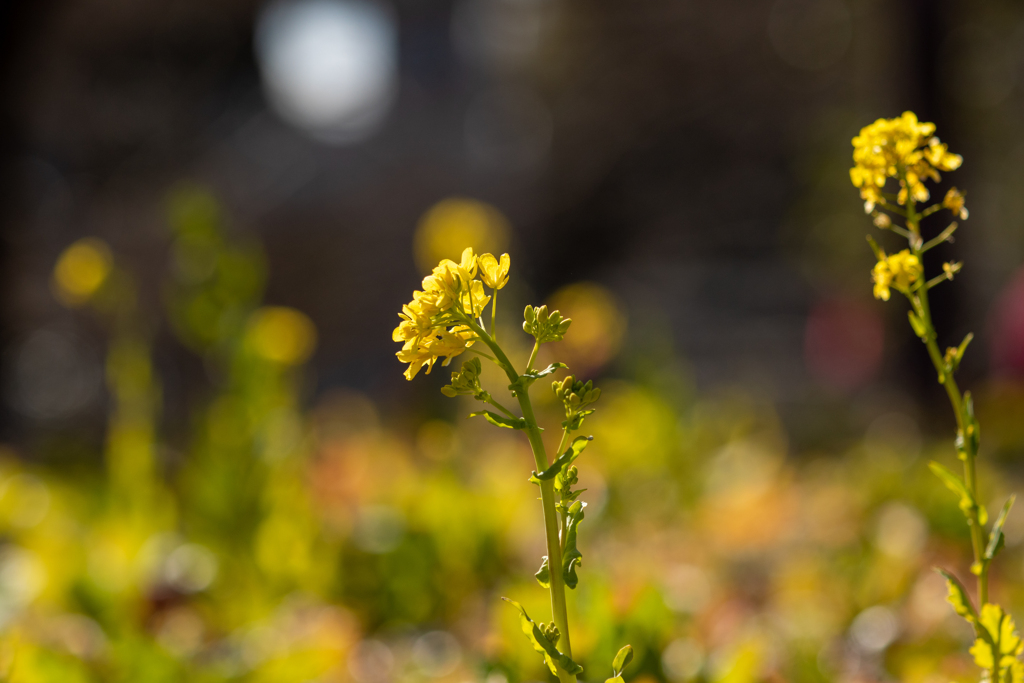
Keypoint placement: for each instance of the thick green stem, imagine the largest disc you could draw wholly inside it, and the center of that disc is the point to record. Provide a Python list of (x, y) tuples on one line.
[(956, 401), (556, 585)]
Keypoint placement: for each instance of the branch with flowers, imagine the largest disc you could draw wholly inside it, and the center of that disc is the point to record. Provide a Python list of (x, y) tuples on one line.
[(906, 150), (447, 318)]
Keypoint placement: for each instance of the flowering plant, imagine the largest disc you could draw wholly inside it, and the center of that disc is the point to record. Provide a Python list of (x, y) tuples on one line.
[(905, 150), (445, 319)]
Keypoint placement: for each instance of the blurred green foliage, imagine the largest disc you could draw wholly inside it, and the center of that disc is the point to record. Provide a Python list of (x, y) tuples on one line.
[(329, 543)]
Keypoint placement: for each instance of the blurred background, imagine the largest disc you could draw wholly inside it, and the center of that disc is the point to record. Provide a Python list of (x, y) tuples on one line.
[(213, 469)]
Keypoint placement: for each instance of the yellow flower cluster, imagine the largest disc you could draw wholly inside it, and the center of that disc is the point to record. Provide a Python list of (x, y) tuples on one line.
[(433, 323), (899, 270), (900, 148)]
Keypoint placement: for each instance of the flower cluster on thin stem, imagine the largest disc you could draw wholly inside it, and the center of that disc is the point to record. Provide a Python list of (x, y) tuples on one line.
[(445, 319), (905, 150)]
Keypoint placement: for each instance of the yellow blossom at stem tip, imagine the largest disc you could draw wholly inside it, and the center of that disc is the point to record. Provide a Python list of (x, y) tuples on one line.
[(493, 272), (433, 325), (901, 148)]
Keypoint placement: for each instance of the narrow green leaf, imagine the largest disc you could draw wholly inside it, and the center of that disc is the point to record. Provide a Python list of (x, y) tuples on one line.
[(552, 657), (543, 574), (501, 420), (572, 557), (958, 356), (537, 374), (958, 597), (917, 324), (564, 460), (879, 254), (954, 484), (622, 659), (996, 540)]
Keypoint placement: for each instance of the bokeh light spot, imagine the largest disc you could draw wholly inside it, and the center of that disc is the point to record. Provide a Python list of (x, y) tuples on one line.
[(329, 66), (282, 335), (453, 224), (598, 325), (81, 270)]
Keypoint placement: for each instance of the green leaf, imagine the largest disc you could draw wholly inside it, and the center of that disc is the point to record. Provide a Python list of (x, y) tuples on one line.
[(879, 254), (564, 460), (552, 657), (917, 324), (954, 484), (572, 557), (996, 539), (998, 644), (622, 659), (959, 355), (501, 420), (537, 374), (958, 597), (543, 574)]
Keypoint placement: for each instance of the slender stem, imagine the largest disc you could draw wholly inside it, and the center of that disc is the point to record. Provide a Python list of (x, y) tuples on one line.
[(494, 313), (556, 585), (920, 298), (533, 355), (481, 353), (500, 407)]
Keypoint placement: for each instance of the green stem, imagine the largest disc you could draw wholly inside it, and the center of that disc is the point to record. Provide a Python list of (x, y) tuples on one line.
[(481, 353), (556, 585), (920, 297), (494, 313), (500, 407), (533, 355)]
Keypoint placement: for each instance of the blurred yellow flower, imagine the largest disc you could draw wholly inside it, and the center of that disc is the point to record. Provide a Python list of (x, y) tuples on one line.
[(901, 148), (954, 201), (899, 270), (455, 223), (493, 272), (282, 335), (81, 270)]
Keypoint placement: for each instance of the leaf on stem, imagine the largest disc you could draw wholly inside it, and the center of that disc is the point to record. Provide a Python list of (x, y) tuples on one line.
[(996, 539), (543, 574), (998, 644), (537, 374), (622, 659), (564, 460), (958, 597), (552, 657), (500, 420), (956, 485), (571, 556), (917, 324)]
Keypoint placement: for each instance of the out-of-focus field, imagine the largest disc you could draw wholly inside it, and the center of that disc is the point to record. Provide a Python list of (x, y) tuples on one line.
[(347, 541)]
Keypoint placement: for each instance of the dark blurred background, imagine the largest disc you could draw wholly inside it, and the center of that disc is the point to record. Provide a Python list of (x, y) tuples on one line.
[(691, 157)]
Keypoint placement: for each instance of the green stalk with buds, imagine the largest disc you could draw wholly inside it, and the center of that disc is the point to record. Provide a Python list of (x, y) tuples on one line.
[(446, 319), (907, 151)]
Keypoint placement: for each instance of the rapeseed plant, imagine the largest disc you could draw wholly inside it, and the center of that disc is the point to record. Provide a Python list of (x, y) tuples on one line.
[(906, 150), (444, 320)]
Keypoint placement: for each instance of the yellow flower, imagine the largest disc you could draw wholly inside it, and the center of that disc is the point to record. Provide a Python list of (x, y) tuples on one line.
[(493, 272), (899, 270), (424, 330), (440, 343), (954, 201), (901, 148)]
